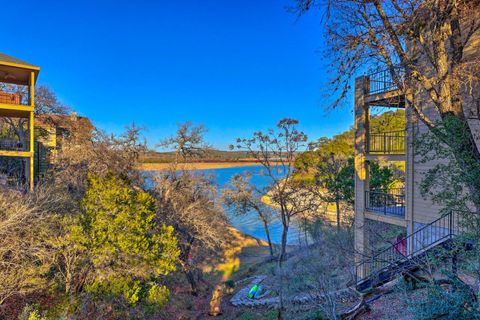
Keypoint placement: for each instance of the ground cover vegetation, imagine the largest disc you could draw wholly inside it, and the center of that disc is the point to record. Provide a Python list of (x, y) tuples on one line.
[(93, 241)]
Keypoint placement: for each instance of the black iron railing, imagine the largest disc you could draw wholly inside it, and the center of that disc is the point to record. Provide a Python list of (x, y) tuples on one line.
[(424, 238), (12, 145), (382, 81), (391, 202), (392, 142)]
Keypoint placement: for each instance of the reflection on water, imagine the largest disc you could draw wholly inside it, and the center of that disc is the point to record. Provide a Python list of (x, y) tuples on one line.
[(249, 223)]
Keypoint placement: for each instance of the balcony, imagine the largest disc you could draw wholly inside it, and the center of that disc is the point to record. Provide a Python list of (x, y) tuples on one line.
[(12, 145), (10, 98), (388, 203), (14, 94), (14, 148), (386, 143), (383, 90), (382, 81), (14, 100)]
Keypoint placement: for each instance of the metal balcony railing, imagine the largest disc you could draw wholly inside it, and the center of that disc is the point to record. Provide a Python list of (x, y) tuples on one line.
[(392, 142), (394, 259), (381, 81), (12, 145), (389, 203)]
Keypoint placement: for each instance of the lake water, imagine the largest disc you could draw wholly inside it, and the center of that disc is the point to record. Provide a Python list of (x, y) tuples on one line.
[(249, 223)]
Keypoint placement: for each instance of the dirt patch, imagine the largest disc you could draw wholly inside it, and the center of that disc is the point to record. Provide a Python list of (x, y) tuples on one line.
[(391, 306)]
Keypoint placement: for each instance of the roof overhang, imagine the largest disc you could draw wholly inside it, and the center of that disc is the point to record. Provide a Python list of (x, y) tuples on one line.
[(15, 71)]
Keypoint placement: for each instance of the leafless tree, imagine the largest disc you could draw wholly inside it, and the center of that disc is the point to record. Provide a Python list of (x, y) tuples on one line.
[(319, 273), (25, 227), (276, 151), (47, 102), (186, 200), (243, 196), (188, 143), (100, 153)]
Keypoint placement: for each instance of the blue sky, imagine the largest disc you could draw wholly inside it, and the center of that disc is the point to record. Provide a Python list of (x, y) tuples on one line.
[(236, 66)]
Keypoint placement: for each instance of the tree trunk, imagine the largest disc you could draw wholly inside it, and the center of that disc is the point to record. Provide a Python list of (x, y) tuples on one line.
[(191, 280), (305, 234), (280, 314), (281, 258), (68, 281), (337, 205), (80, 281), (283, 249), (267, 232), (184, 258)]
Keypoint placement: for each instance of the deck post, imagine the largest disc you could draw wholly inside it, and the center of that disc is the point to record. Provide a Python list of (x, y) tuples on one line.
[(361, 172), (31, 131), (409, 171)]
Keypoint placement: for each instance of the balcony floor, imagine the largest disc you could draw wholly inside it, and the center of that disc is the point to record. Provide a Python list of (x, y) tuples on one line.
[(393, 211), (392, 98), (385, 157)]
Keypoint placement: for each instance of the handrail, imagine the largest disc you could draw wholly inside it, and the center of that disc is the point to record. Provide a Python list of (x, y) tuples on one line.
[(395, 191), (11, 145), (390, 202), (392, 131), (436, 232), (381, 81), (392, 142)]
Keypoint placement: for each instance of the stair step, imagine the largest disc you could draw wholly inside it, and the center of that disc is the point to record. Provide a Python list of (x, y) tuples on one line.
[(447, 224)]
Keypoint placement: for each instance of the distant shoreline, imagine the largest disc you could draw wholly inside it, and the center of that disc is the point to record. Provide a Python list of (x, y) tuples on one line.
[(198, 165)]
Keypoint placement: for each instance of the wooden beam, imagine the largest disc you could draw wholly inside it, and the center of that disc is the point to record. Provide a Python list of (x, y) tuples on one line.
[(21, 110), (19, 65), (386, 157), (393, 98), (32, 129), (385, 218), (32, 146), (11, 153)]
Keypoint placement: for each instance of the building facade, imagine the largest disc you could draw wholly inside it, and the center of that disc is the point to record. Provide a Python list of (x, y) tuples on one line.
[(423, 222), (17, 103), (52, 131)]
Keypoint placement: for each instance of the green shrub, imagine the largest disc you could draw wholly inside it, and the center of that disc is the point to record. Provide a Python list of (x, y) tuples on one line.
[(149, 293), (31, 312), (127, 245), (157, 295), (130, 290), (120, 229)]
